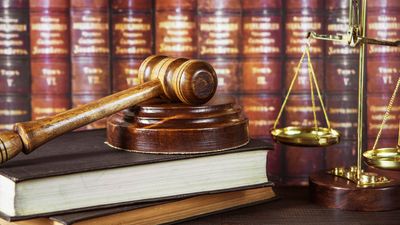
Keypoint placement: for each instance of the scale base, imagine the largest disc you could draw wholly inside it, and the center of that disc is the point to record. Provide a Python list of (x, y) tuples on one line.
[(340, 193)]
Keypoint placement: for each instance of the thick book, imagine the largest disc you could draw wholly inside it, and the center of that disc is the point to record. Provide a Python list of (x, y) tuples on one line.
[(14, 63), (131, 40), (50, 57), (78, 171), (90, 51), (160, 212)]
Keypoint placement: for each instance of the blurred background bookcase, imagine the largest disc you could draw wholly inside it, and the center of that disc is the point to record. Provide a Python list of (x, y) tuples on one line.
[(56, 54)]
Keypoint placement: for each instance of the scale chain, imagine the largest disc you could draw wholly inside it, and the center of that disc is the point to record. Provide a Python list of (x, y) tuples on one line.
[(386, 116), (318, 91), (290, 89), (312, 90)]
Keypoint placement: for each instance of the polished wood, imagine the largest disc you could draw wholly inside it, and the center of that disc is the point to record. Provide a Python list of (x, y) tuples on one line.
[(335, 192), (191, 81), (294, 207), (163, 127)]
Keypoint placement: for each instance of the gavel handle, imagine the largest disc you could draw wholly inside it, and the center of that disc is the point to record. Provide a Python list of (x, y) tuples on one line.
[(30, 135)]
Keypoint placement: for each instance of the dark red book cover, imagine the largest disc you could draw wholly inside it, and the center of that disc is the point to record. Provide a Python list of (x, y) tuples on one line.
[(14, 63), (176, 28), (132, 40), (90, 49), (50, 62)]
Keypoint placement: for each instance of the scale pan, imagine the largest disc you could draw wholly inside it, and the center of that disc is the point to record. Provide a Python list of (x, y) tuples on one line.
[(383, 158), (306, 136)]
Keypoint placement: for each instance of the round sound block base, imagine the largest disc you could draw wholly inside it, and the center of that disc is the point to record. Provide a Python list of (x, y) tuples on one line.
[(339, 193), (175, 128)]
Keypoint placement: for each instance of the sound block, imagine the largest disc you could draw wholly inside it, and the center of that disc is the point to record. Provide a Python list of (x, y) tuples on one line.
[(339, 193), (162, 127)]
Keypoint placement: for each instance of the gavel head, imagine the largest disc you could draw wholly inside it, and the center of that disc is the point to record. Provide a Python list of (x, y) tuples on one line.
[(189, 81)]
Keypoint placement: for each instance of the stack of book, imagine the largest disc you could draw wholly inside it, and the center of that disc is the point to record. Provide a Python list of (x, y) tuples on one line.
[(77, 179)]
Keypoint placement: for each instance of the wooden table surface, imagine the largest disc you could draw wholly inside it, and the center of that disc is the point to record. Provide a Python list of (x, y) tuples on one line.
[(293, 207)]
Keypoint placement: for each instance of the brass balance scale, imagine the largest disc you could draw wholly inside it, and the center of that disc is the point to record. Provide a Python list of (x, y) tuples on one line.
[(347, 188)]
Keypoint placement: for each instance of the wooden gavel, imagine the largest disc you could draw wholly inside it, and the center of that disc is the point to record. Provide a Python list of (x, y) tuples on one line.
[(179, 79)]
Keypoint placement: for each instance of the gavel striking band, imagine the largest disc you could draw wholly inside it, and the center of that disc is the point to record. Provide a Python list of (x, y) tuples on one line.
[(189, 81)]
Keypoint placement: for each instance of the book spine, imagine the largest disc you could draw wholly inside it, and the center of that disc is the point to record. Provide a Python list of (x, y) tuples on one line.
[(261, 72), (14, 63), (341, 84), (176, 28), (50, 63), (90, 51), (132, 40), (302, 17), (383, 63), (219, 40)]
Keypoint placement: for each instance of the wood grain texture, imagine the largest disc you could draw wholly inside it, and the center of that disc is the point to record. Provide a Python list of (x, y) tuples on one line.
[(294, 207), (176, 128), (339, 193), (192, 82)]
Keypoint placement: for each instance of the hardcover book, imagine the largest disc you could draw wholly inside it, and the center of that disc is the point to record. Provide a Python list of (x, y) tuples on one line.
[(78, 171), (160, 212)]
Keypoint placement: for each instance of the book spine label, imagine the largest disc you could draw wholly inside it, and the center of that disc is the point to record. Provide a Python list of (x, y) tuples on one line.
[(90, 75), (125, 73), (377, 104), (262, 34), (337, 23), (89, 33), (383, 23), (49, 33), (14, 40), (342, 113), (14, 76), (343, 73), (50, 76), (13, 109), (219, 34), (132, 35), (261, 110), (47, 105), (298, 23), (302, 83), (227, 70), (382, 74), (299, 111), (176, 33), (261, 75)]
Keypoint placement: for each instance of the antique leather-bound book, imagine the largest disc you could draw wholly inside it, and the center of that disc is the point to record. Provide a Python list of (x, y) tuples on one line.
[(79, 172), (382, 68), (90, 52), (50, 57), (176, 28), (14, 63), (300, 18), (341, 86), (161, 212), (219, 32), (261, 70), (132, 40)]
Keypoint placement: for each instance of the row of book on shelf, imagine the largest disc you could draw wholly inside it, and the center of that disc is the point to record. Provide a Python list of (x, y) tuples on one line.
[(73, 52)]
